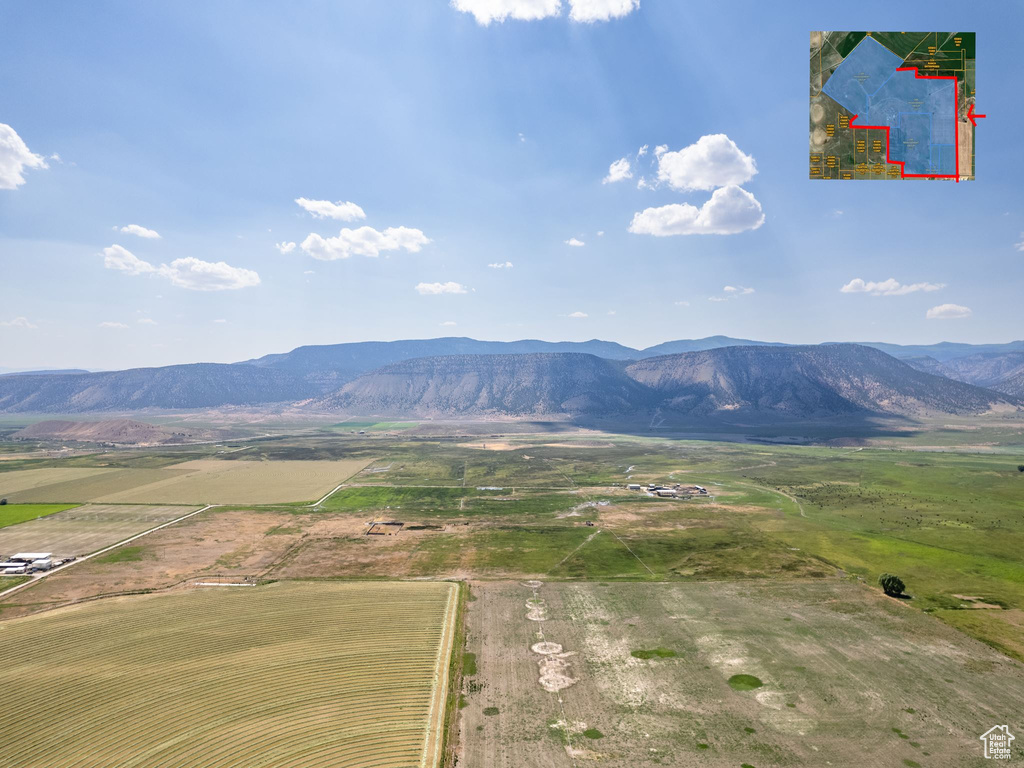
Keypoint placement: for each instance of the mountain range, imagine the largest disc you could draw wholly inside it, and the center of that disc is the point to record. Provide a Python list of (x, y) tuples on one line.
[(456, 377)]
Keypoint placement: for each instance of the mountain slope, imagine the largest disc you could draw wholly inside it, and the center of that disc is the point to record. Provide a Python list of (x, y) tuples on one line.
[(805, 381), (200, 385), (507, 385), (121, 431), (331, 365)]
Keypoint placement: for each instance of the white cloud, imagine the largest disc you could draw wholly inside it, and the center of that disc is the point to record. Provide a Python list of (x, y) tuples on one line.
[(435, 289), (140, 231), (713, 161), (15, 157), (729, 211), (730, 292), (116, 257), (220, 320), (578, 315), (190, 272), (146, 321), (365, 241), (575, 243), (600, 233), (501, 265), (197, 275), (642, 151), (110, 324), (888, 287), (681, 303), (448, 324), (325, 209), (522, 137), (660, 150), (287, 247), (18, 322), (584, 11), (308, 272), (618, 171), (1020, 246), (601, 10), (948, 312), (486, 11)]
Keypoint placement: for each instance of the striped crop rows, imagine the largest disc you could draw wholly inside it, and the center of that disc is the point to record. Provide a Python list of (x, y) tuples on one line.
[(290, 674)]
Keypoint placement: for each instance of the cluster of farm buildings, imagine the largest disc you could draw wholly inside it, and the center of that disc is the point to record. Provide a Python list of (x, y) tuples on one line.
[(669, 491), (28, 562)]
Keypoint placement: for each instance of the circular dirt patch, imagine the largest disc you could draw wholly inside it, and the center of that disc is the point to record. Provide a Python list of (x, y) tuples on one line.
[(546, 649), (744, 682), (533, 584)]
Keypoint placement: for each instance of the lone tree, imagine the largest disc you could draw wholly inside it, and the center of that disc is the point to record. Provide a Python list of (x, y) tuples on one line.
[(1020, 467), (891, 585)]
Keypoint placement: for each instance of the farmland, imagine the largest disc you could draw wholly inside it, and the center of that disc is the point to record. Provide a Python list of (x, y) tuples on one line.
[(284, 674), (11, 514), (777, 566), (85, 529), (186, 481), (753, 674)]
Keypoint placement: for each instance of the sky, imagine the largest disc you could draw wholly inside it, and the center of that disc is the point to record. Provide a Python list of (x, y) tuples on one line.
[(185, 182)]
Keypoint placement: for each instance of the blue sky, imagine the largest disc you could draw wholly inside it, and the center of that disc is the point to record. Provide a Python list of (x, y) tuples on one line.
[(205, 122)]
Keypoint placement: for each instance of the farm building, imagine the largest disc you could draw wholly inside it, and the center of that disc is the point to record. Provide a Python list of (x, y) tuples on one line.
[(28, 557), (633, 487)]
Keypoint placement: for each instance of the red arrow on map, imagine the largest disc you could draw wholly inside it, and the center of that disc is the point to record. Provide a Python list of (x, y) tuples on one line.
[(971, 116)]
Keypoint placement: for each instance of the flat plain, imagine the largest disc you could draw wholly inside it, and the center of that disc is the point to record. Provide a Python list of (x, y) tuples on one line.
[(84, 529), (282, 674), (723, 674)]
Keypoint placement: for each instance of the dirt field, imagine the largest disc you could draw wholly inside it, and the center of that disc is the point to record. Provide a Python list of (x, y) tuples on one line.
[(212, 481), (231, 544), (850, 678), (29, 485), (301, 675), (84, 529)]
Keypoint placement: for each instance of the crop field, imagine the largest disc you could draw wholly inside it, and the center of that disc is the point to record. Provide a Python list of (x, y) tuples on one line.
[(84, 529), (11, 514), (280, 675), (30, 485), (720, 674), (215, 481)]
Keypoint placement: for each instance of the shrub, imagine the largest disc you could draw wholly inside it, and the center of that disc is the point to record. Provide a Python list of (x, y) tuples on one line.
[(891, 585)]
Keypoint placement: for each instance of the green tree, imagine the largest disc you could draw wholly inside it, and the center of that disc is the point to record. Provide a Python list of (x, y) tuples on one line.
[(1020, 467), (891, 585)]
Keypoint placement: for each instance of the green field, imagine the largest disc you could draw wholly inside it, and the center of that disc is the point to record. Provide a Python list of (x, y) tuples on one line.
[(10, 514), (285, 674)]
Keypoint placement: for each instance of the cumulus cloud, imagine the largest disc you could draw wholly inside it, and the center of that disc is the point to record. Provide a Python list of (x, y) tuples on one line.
[(286, 247), (116, 257), (582, 11), (948, 312), (729, 211), (501, 265), (197, 275), (618, 171), (436, 289), (448, 324), (190, 272), (642, 151), (575, 243), (730, 292), (325, 209), (713, 161), (578, 315), (18, 322), (110, 324), (15, 157), (888, 287), (1020, 246), (487, 11), (365, 241), (140, 231)]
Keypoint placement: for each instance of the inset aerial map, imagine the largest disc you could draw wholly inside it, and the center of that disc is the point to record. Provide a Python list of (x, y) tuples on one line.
[(892, 105)]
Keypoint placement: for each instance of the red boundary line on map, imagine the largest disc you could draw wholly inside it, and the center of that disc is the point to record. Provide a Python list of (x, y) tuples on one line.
[(956, 130)]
